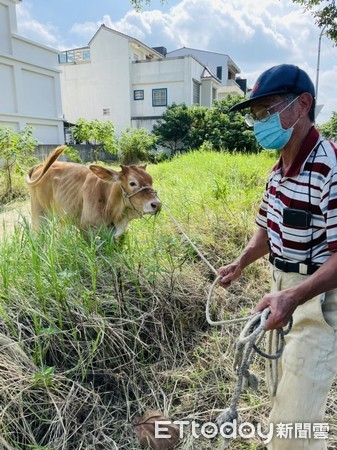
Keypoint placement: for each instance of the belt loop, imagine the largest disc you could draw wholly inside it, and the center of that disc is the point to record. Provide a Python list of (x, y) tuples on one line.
[(285, 266)]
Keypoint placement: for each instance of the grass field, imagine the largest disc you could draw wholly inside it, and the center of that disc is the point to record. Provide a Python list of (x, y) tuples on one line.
[(93, 333)]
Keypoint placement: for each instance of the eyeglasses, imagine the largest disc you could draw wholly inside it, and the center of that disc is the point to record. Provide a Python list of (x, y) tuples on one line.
[(263, 114)]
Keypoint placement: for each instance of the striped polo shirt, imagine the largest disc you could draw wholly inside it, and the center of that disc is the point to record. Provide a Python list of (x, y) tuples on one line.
[(310, 184)]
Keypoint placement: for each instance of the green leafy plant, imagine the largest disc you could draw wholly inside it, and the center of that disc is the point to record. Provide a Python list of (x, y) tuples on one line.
[(138, 4), (329, 129), (173, 128), (135, 145), (73, 154), (16, 153), (100, 135), (182, 128), (324, 12)]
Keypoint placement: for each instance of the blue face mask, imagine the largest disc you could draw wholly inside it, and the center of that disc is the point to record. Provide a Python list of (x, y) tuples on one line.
[(270, 134)]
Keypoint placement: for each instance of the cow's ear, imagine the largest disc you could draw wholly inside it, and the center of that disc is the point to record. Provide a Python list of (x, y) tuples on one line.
[(103, 173), (143, 166), (124, 168)]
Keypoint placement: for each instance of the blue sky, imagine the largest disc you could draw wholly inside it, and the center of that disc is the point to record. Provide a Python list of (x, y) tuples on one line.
[(255, 34)]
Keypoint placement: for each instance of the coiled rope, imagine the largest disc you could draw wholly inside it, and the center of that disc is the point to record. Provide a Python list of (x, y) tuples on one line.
[(247, 344)]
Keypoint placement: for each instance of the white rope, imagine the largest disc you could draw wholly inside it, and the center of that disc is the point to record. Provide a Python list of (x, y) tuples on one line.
[(215, 283), (208, 305), (177, 224)]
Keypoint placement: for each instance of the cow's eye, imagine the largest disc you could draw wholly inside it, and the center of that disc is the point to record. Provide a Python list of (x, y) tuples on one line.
[(133, 184)]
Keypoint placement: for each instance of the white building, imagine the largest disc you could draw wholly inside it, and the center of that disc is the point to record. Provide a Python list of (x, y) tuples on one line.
[(30, 92), (221, 65), (157, 84), (118, 78)]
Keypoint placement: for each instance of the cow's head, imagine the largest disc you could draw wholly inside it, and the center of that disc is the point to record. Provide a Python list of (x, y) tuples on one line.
[(135, 184)]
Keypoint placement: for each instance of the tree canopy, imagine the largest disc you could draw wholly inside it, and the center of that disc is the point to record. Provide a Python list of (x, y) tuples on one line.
[(138, 4), (329, 129), (100, 135), (325, 13)]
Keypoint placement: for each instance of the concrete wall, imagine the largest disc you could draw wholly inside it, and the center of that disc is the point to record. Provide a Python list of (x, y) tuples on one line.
[(85, 152), (30, 92)]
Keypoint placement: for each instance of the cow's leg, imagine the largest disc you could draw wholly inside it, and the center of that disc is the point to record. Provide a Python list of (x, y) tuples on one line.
[(37, 212)]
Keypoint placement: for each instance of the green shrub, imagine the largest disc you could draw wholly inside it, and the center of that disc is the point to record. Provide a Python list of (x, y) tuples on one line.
[(181, 128), (100, 135), (173, 128), (16, 153), (135, 145), (73, 154)]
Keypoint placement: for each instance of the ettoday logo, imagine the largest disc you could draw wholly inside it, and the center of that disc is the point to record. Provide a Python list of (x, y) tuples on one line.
[(210, 430), (245, 430)]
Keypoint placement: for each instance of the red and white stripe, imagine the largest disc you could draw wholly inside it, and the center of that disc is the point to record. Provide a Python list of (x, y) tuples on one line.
[(310, 185)]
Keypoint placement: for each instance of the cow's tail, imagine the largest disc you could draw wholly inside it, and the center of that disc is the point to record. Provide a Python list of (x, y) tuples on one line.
[(46, 165)]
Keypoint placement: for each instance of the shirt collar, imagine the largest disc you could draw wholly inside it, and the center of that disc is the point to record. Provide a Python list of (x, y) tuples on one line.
[(309, 143)]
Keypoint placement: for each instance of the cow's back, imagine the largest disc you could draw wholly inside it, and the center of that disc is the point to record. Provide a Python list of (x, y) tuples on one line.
[(61, 188)]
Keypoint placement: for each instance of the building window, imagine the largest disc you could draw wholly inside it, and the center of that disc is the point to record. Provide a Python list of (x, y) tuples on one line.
[(159, 97), (196, 92), (138, 94), (219, 72)]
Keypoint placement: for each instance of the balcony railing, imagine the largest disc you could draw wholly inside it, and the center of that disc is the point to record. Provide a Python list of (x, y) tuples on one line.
[(74, 56)]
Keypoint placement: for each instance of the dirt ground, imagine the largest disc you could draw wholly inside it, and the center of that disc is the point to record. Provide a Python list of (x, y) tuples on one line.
[(12, 214)]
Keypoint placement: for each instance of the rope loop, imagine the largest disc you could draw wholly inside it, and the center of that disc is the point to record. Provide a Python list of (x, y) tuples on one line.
[(247, 344)]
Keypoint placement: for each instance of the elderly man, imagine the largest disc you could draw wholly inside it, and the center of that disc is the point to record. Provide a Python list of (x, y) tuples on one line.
[(297, 228)]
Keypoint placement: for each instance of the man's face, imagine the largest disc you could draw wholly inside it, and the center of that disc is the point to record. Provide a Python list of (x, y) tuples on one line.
[(262, 109)]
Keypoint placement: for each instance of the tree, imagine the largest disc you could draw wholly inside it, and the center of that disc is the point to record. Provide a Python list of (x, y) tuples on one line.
[(16, 153), (181, 128), (173, 128), (100, 135), (220, 128), (138, 4), (325, 13), (228, 130), (329, 129), (135, 145)]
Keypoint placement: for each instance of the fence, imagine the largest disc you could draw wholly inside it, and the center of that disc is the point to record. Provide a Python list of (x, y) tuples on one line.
[(84, 150)]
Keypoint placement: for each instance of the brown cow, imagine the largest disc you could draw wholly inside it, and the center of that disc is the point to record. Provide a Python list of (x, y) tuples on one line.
[(92, 196)]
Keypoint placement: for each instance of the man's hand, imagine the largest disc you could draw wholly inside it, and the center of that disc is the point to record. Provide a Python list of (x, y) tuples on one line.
[(281, 305), (229, 273)]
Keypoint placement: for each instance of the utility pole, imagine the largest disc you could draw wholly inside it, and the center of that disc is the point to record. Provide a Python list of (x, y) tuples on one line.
[(318, 61)]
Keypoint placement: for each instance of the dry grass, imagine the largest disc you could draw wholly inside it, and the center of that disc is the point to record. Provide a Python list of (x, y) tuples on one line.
[(94, 333)]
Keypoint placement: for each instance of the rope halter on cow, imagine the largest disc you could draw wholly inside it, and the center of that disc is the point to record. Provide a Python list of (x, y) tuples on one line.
[(129, 196)]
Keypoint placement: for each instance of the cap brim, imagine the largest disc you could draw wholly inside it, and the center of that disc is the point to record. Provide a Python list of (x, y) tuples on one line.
[(247, 103)]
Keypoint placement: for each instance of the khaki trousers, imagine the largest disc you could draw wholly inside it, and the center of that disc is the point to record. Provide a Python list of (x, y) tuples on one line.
[(307, 367)]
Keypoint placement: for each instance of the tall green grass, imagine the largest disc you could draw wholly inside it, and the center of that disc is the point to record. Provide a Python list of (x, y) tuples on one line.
[(94, 332)]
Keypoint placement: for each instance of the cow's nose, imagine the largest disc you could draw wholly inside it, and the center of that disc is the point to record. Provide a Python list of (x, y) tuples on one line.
[(156, 205)]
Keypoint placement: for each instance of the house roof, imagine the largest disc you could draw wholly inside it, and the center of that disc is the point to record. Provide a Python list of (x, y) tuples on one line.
[(229, 59), (198, 50), (207, 73), (130, 38)]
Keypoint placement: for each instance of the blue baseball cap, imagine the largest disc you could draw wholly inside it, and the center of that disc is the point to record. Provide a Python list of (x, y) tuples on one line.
[(282, 79)]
